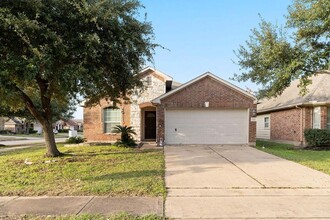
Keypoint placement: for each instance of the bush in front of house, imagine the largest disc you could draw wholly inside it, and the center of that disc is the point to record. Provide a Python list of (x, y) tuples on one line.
[(75, 140), (126, 136), (5, 132), (32, 131), (317, 137), (63, 130)]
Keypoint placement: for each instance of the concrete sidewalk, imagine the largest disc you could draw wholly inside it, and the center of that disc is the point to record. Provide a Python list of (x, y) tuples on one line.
[(75, 205), (29, 141)]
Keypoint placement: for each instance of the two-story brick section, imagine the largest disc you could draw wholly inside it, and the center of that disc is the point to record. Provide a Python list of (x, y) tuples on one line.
[(205, 110)]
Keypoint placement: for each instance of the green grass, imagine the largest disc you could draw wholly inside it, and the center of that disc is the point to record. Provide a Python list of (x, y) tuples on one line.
[(316, 159), (96, 170), (121, 216)]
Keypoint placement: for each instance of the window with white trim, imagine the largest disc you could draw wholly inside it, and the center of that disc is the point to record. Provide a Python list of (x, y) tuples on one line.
[(317, 117), (328, 118), (266, 122), (111, 118)]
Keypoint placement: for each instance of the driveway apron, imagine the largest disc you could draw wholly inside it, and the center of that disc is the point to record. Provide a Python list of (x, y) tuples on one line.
[(239, 182)]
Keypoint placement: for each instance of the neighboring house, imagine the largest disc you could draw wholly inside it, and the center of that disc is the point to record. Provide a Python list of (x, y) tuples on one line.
[(37, 127), (285, 117), (70, 124), (2, 123), (79, 124), (205, 110), (15, 125)]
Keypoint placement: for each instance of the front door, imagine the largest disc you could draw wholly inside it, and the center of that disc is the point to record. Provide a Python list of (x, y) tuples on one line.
[(150, 125)]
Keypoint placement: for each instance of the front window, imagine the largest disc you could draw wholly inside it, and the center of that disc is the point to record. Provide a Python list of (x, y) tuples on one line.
[(317, 117), (328, 118), (266, 122), (112, 117)]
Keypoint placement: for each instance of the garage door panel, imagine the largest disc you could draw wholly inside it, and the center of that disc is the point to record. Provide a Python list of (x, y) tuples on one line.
[(206, 127)]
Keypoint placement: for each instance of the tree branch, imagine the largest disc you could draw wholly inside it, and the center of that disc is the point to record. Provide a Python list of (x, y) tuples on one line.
[(29, 104)]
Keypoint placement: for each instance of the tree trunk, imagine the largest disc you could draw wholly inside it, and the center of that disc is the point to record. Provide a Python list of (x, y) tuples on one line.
[(51, 147), (27, 128)]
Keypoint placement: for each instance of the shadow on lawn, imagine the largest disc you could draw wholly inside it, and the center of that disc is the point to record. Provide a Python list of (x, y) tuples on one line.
[(70, 153)]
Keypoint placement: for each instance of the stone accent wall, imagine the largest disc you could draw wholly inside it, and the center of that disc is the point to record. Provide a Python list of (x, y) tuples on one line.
[(152, 91), (219, 96), (132, 113)]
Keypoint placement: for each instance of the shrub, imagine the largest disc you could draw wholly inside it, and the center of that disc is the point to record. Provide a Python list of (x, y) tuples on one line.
[(317, 137), (126, 138), (75, 140), (63, 130), (31, 131), (5, 132)]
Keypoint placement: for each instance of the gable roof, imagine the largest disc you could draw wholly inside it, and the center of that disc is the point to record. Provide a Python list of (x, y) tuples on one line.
[(318, 94), (13, 121), (161, 74), (207, 74), (148, 68)]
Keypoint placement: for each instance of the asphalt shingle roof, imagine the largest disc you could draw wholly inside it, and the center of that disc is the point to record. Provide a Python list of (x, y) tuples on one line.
[(318, 92)]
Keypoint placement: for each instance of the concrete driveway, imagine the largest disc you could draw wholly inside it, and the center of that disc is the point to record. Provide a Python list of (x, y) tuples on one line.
[(239, 182)]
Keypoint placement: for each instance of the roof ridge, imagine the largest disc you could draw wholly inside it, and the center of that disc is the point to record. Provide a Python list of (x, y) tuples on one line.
[(206, 74)]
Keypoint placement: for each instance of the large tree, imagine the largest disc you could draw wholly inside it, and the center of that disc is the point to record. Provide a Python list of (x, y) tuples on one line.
[(274, 56), (63, 50)]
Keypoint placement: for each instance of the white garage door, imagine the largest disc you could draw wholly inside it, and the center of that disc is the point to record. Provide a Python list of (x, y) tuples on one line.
[(206, 126)]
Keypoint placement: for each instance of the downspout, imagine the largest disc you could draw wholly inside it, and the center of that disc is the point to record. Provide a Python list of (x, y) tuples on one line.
[(301, 126)]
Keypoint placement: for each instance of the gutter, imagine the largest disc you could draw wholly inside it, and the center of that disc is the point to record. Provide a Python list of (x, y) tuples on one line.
[(312, 103)]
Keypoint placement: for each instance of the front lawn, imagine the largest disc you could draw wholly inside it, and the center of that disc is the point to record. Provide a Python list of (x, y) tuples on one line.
[(97, 170), (316, 159)]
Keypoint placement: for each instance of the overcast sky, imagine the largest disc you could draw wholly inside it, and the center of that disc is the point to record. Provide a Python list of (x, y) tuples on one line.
[(201, 35)]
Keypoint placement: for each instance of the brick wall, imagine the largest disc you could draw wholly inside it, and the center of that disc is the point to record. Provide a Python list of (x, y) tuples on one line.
[(324, 115), (207, 89), (93, 123), (286, 125), (307, 118), (289, 124)]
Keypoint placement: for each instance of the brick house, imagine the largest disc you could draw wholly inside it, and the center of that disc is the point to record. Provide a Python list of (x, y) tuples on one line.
[(284, 118), (205, 110)]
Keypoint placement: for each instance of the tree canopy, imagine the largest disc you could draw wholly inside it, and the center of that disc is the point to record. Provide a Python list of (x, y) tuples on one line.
[(274, 56), (55, 52)]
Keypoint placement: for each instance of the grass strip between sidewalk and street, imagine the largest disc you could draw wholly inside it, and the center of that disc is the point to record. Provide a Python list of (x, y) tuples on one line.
[(82, 171), (316, 159), (123, 216)]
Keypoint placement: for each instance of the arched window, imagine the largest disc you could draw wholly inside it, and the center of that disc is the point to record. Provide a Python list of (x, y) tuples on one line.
[(111, 118)]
